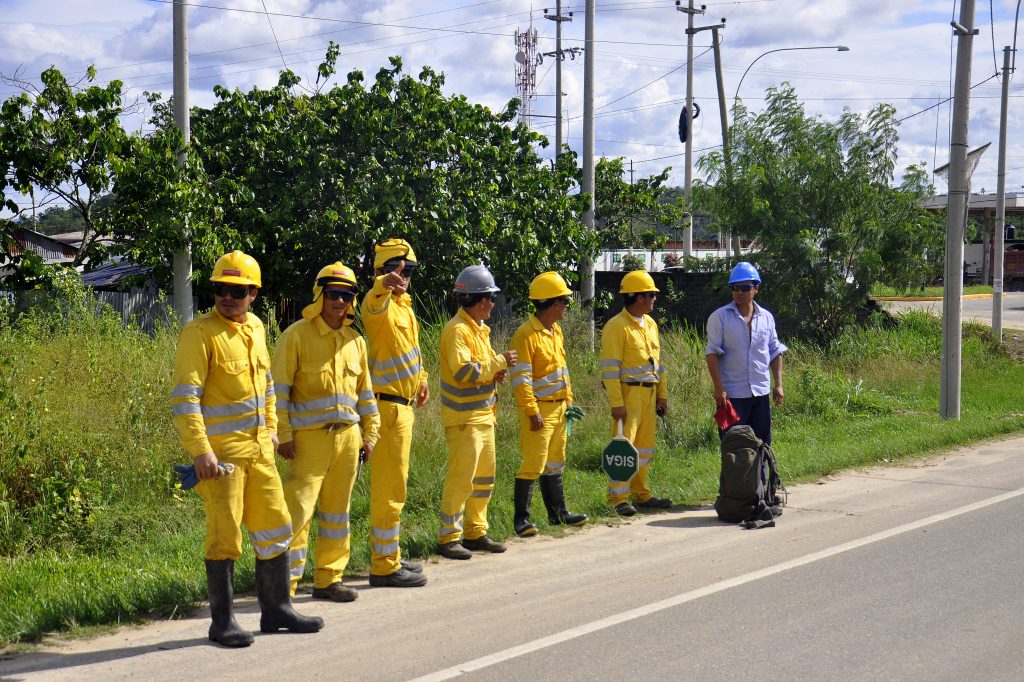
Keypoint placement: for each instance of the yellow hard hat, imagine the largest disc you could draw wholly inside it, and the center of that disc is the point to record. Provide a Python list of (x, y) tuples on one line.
[(548, 285), (390, 249), (237, 268), (336, 273), (637, 282)]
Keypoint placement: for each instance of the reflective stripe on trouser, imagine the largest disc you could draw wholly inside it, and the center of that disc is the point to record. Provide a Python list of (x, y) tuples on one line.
[(323, 471), (641, 417), (468, 482), (542, 451), (252, 496), (389, 471)]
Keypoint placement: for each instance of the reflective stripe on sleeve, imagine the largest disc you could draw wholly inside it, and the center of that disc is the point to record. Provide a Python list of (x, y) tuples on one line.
[(187, 391), (180, 409)]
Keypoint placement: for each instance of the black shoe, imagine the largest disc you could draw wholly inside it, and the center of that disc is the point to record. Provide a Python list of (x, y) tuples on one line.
[(655, 503), (400, 578), (335, 592), (553, 491), (273, 589), (483, 544), (522, 499), (220, 578), (454, 550), (411, 566), (625, 509)]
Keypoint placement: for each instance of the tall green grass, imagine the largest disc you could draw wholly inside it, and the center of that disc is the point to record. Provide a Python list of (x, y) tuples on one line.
[(93, 529)]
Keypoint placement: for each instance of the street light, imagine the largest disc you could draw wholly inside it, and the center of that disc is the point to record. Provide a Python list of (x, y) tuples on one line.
[(838, 48)]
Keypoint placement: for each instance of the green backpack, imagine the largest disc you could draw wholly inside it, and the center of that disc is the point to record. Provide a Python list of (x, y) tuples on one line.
[(749, 484)]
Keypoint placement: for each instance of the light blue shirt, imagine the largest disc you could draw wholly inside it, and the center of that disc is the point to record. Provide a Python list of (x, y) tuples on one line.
[(744, 356)]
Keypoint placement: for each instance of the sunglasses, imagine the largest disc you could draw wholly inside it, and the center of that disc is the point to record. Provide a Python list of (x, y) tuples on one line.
[(235, 291), (742, 287), (564, 300), (649, 294), (406, 273), (339, 295), (493, 298)]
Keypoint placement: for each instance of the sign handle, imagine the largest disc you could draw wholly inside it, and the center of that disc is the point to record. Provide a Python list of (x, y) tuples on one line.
[(619, 423)]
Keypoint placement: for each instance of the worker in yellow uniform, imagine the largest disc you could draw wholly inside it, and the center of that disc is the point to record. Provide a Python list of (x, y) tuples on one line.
[(470, 372), (223, 404), (326, 414), (540, 381), (399, 383), (635, 381)]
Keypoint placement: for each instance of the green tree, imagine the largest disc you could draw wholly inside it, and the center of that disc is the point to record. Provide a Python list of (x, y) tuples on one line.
[(638, 214), (818, 198), (633, 261), (60, 141), (308, 178)]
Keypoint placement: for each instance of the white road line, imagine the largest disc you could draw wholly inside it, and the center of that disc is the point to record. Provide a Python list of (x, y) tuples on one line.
[(639, 612)]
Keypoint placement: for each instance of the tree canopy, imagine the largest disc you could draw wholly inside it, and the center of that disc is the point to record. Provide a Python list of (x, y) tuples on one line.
[(819, 199), (305, 179)]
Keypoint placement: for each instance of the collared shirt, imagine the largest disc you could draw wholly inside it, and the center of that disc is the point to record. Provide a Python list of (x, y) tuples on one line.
[(393, 334), (744, 355), (469, 364), (321, 377), (541, 371), (223, 398), (631, 353)]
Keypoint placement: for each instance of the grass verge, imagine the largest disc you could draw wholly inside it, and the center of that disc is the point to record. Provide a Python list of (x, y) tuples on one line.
[(883, 290), (94, 530)]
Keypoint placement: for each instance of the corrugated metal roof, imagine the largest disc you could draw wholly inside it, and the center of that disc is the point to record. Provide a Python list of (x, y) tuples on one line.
[(112, 275), (51, 250)]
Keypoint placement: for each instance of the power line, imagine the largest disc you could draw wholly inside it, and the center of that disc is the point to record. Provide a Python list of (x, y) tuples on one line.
[(937, 104), (311, 17), (661, 77)]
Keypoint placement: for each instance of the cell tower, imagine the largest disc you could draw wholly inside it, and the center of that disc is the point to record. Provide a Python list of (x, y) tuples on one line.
[(526, 70)]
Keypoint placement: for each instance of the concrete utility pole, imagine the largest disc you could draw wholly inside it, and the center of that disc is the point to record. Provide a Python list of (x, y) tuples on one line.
[(182, 294), (688, 173), (952, 333), (998, 250), (586, 264), (558, 19)]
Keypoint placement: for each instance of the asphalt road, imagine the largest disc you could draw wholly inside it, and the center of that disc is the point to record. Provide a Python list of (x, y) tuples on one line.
[(975, 309), (896, 572)]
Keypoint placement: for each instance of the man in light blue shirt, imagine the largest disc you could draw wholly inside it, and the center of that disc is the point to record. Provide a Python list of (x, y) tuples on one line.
[(743, 348)]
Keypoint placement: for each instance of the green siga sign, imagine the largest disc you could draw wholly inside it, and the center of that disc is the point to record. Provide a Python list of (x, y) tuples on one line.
[(620, 460)]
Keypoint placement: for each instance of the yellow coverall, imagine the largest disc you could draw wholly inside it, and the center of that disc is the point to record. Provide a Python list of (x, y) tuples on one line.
[(540, 381), (468, 404), (631, 356), (223, 402), (396, 371), (325, 404)]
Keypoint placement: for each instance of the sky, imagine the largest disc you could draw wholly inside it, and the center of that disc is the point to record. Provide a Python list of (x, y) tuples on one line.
[(900, 52)]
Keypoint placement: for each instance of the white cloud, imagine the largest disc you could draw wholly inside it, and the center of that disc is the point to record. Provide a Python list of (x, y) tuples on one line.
[(899, 51)]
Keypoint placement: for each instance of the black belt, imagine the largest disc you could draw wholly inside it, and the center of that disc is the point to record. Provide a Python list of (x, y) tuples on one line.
[(642, 384), (392, 398), (551, 400)]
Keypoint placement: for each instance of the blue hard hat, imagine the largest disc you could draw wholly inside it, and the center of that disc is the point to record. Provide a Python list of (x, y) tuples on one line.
[(744, 272)]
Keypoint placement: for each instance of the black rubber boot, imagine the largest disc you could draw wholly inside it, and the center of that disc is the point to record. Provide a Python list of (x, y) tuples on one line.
[(220, 579), (522, 499), (273, 587), (554, 499)]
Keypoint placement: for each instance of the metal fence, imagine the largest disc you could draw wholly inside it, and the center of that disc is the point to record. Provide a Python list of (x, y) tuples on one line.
[(144, 308)]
